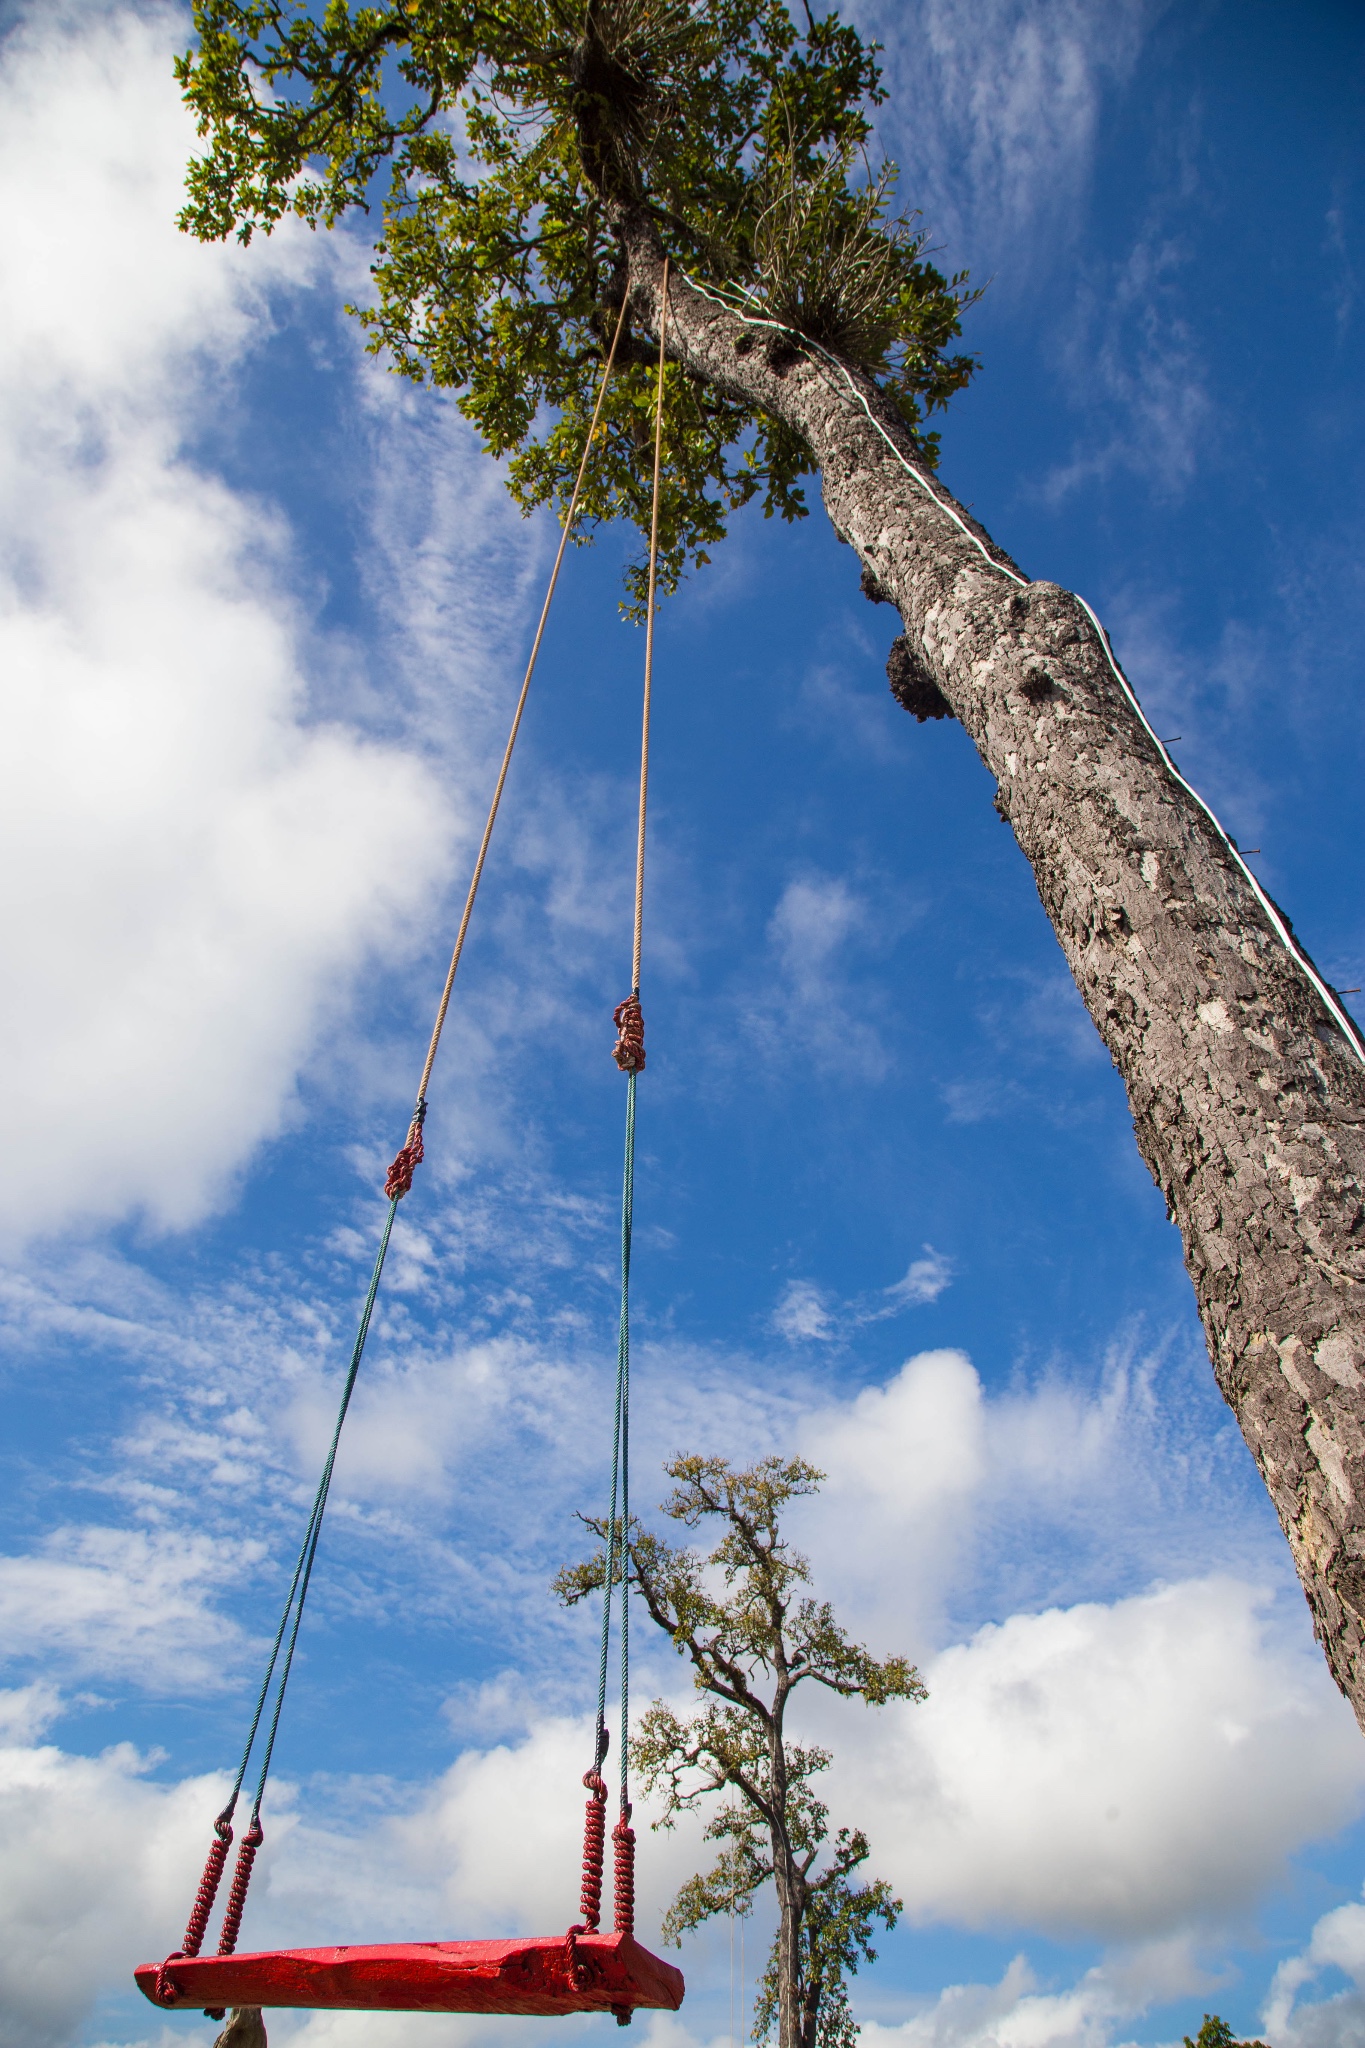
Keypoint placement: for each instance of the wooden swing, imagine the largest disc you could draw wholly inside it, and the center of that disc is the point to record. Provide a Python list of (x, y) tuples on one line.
[(583, 1970), (543, 1975)]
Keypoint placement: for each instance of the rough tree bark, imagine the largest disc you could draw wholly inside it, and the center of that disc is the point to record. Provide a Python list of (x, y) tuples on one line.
[(1248, 1103)]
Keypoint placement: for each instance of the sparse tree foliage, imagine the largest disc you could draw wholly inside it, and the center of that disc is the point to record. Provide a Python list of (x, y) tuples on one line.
[(1216, 2033), (533, 163), (753, 1636)]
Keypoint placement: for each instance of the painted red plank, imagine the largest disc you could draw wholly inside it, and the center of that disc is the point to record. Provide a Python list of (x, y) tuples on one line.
[(542, 1975)]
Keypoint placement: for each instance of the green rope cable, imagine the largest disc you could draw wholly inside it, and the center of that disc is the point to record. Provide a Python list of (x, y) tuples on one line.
[(303, 1570), (616, 1534), (623, 1398), (618, 1539)]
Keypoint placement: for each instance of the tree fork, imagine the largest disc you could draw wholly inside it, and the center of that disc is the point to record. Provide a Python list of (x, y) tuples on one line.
[(1248, 1104)]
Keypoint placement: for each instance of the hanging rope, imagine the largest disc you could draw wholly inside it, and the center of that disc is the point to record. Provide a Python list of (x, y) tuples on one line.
[(397, 1184), (407, 1156), (629, 1054)]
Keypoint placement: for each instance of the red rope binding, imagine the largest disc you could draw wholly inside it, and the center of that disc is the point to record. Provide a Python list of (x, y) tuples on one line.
[(241, 1878), (623, 1842), (208, 1888), (167, 1990), (629, 1050), (409, 1156), (594, 1850)]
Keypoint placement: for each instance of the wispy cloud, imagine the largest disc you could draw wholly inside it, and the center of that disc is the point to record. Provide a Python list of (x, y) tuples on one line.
[(812, 1004), (925, 1280), (807, 1313), (1339, 247), (993, 115), (803, 1314), (1134, 366), (126, 1605)]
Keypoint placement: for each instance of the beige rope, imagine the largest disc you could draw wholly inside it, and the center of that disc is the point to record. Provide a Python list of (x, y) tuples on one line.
[(649, 638), (569, 517)]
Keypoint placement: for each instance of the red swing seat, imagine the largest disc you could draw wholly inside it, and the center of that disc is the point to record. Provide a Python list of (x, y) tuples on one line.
[(543, 1975)]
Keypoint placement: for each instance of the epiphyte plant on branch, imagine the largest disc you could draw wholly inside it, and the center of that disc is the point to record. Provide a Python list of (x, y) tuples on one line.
[(754, 1636), (533, 163)]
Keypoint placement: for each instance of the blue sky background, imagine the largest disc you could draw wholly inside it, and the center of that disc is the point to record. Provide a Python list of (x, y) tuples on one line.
[(264, 613)]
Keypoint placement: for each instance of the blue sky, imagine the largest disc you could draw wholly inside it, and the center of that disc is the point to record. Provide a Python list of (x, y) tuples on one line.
[(264, 613)]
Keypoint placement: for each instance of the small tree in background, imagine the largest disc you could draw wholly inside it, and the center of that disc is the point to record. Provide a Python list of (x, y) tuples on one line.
[(753, 1636), (1216, 2033)]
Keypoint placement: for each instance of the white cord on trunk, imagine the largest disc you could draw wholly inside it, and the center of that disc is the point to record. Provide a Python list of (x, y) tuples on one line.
[(1345, 1024)]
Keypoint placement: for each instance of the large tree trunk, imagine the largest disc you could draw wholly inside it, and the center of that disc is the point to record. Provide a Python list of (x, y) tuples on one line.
[(1248, 1100)]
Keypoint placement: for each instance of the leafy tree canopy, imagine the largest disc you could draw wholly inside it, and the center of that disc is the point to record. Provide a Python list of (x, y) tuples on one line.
[(517, 134)]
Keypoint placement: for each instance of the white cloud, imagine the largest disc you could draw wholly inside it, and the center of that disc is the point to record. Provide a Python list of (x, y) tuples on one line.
[(102, 292), (1017, 2013), (1008, 103), (1337, 2021), (97, 1871), (1134, 1771), (945, 1506), (195, 864), (1119, 1771), (906, 1464), (28, 1711), (98, 1867), (1010, 2014)]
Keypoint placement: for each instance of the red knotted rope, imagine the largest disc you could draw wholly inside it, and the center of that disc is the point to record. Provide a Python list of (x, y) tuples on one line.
[(571, 1968), (241, 1878), (629, 1050), (409, 1156), (166, 1990), (594, 1851), (623, 1843)]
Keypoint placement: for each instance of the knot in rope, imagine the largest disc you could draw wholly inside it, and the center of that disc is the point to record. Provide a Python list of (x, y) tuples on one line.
[(167, 1991), (409, 1156), (629, 1050), (571, 1969)]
